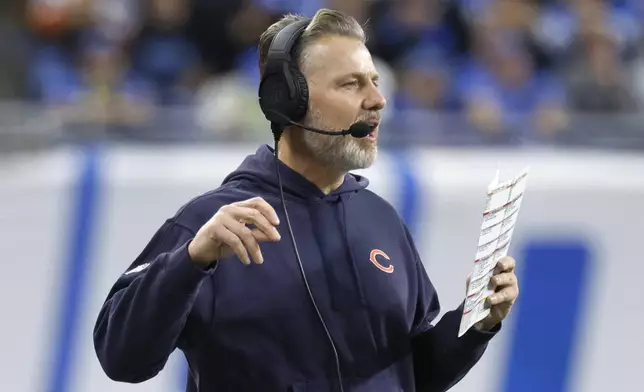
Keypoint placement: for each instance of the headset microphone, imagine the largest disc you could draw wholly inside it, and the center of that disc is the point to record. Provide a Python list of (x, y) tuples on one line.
[(358, 130)]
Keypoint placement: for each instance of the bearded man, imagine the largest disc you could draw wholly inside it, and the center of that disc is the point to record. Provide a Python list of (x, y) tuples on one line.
[(292, 276)]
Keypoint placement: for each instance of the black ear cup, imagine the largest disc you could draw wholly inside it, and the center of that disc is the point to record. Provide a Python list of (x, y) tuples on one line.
[(283, 92), (275, 97), (300, 103)]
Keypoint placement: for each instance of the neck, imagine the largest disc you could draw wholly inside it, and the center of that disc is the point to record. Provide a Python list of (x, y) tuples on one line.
[(325, 179)]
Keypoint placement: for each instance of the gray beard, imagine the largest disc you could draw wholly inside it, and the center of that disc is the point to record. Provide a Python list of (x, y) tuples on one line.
[(338, 153)]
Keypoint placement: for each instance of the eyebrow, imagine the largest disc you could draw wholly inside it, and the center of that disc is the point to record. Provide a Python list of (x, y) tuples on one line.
[(360, 75)]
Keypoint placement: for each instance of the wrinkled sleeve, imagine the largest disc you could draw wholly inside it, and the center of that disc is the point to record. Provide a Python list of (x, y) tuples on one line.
[(441, 358), (142, 319)]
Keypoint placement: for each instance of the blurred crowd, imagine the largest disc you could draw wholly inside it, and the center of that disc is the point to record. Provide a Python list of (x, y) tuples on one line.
[(525, 68)]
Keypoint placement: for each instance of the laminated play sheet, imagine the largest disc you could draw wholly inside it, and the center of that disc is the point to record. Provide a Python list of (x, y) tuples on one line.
[(499, 219)]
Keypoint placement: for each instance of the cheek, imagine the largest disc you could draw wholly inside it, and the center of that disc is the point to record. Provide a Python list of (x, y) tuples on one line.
[(337, 106)]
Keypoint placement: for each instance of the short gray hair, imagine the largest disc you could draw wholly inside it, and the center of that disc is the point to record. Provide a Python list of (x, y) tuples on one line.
[(324, 23)]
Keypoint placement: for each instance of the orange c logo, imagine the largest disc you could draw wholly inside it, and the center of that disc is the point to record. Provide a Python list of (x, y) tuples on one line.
[(372, 258)]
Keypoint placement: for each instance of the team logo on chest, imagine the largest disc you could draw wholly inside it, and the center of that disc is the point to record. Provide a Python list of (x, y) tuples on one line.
[(374, 259)]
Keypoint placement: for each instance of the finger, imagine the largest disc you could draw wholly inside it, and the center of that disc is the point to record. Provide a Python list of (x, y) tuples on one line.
[(509, 294), (259, 235), (261, 205), (503, 280), (233, 242), (506, 264), (256, 218), (246, 236)]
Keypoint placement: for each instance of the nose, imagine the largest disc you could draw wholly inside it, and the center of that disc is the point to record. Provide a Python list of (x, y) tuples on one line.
[(374, 100)]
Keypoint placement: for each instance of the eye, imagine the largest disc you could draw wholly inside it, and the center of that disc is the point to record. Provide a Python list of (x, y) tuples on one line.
[(351, 84)]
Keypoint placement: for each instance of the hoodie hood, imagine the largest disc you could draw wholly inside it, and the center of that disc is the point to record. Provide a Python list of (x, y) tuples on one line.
[(259, 169)]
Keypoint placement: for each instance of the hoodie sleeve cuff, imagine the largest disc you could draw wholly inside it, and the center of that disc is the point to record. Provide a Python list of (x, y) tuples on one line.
[(183, 270), (475, 336)]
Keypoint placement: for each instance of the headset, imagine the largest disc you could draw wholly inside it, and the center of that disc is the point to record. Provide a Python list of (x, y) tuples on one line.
[(284, 99), (283, 90)]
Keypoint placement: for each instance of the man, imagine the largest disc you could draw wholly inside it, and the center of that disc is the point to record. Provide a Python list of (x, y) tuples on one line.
[(250, 325)]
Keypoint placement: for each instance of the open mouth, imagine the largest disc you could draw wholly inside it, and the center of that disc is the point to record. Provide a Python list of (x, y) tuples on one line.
[(374, 126)]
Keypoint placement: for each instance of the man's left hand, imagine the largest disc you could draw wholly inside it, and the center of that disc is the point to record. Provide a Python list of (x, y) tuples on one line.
[(506, 290)]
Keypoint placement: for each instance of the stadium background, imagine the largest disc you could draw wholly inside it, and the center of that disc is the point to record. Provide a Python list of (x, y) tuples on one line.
[(114, 112)]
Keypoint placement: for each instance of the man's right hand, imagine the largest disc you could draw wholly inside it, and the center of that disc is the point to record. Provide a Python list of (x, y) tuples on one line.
[(226, 233)]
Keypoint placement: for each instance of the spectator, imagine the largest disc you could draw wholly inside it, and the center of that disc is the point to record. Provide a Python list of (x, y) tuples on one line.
[(223, 30), (425, 82), (55, 27), (101, 88), (163, 53), (597, 79), (498, 97), (398, 26), (561, 22), (501, 87), (425, 98)]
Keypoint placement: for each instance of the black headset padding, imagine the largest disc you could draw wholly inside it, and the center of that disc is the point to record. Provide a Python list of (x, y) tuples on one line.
[(283, 88)]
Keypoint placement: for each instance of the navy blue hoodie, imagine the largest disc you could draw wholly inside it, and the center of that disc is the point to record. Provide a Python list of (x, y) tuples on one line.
[(253, 328)]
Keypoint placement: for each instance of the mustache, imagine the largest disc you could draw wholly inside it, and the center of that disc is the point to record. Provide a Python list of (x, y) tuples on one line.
[(371, 118)]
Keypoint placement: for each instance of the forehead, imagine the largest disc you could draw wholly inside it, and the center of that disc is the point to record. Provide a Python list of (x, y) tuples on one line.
[(336, 56)]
